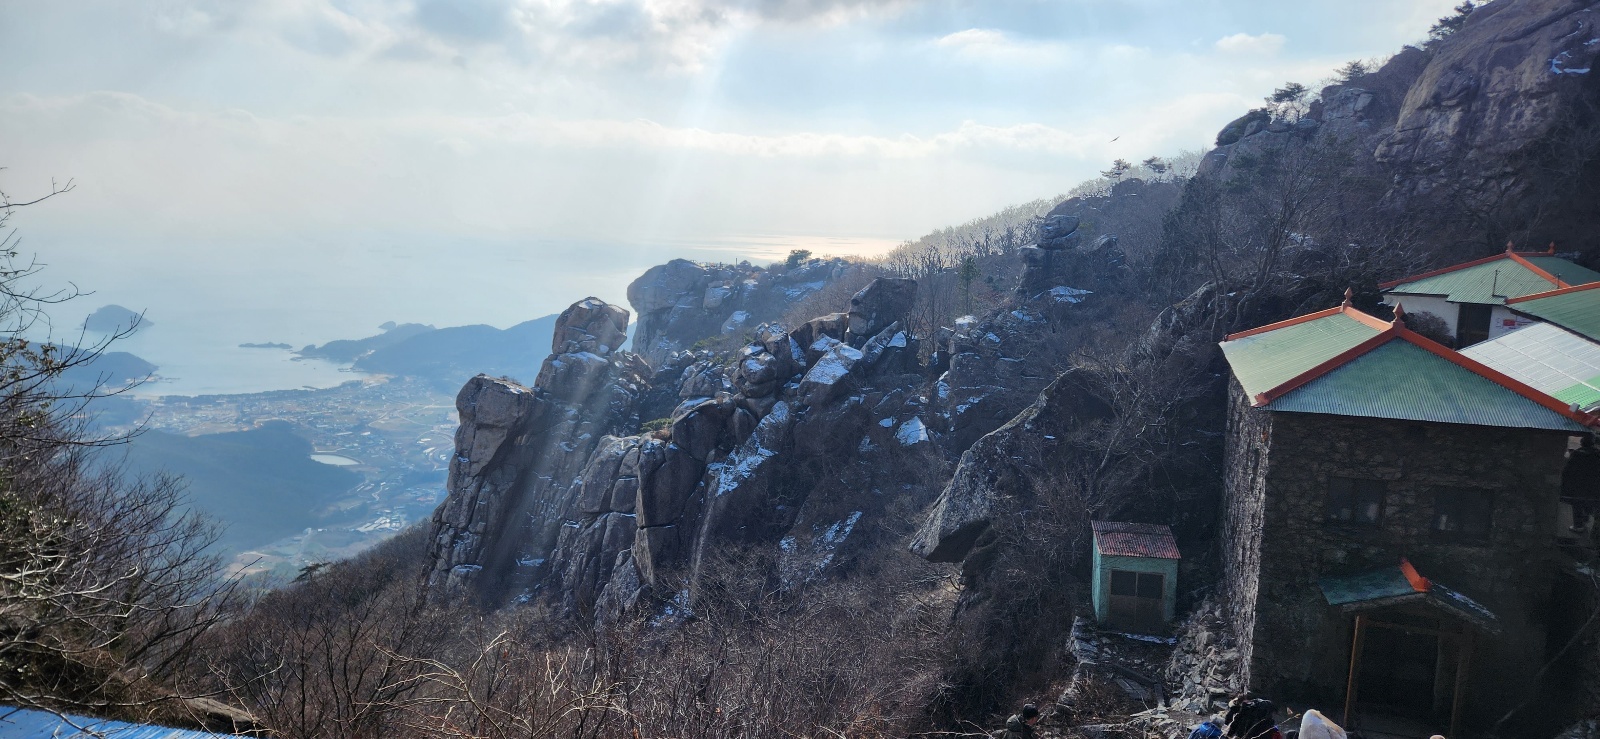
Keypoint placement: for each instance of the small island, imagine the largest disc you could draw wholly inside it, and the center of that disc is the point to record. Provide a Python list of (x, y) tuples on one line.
[(111, 319), (248, 345)]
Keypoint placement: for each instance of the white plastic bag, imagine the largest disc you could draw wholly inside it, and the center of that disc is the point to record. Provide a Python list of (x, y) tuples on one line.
[(1314, 725)]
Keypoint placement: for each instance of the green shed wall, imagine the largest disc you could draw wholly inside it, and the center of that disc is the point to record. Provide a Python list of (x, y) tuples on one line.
[(1104, 564)]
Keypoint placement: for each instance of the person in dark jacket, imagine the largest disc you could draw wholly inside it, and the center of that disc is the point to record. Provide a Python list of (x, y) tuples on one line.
[(1020, 725), (1580, 482)]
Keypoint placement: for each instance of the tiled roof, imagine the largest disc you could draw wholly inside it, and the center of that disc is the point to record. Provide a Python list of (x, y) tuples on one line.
[(1344, 362), (23, 723), (1389, 586), (1494, 279), (1549, 359), (1119, 539), (1576, 309)]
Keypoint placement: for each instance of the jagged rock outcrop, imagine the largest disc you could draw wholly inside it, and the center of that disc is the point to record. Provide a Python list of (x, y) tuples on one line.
[(883, 301), (681, 302), (519, 451), (1005, 464), (1494, 92), (555, 494)]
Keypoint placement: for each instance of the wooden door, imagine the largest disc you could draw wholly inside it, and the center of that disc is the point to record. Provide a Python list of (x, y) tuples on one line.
[(1138, 601)]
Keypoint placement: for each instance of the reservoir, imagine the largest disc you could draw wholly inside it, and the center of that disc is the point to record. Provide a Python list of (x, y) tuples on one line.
[(335, 460)]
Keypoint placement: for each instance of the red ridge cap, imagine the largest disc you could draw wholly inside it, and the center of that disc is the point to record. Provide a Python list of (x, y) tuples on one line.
[(1517, 256), (1330, 365), (1368, 319), (1418, 582), (1553, 293), (1536, 269), (1297, 320), (1440, 271), (1499, 378), (1399, 330), (1360, 317)]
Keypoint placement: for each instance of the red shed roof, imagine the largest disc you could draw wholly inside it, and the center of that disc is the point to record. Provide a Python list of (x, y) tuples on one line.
[(1118, 539)]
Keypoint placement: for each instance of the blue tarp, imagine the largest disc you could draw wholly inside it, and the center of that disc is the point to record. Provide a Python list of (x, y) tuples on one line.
[(22, 723)]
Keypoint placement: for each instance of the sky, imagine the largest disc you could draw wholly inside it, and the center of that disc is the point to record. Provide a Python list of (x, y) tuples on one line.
[(312, 167)]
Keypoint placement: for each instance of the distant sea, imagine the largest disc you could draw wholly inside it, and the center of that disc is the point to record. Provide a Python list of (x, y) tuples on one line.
[(203, 301)]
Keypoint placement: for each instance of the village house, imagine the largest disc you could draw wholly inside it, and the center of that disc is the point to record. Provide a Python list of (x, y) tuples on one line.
[(1486, 298), (1389, 516)]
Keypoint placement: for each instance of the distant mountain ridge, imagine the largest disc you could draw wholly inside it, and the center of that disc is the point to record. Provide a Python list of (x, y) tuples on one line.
[(445, 356)]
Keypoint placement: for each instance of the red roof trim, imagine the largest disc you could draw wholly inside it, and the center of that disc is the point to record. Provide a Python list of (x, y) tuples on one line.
[(1285, 324), (1504, 380), (1553, 293), (1394, 331), (1330, 365), (1554, 280), (1418, 582), (1446, 270)]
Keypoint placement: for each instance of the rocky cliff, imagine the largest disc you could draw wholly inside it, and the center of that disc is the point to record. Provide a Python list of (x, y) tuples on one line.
[(682, 302), (801, 439)]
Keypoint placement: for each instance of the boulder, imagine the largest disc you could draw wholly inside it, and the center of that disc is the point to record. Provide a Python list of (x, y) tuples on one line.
[(1054, 229), (573, 377), (757, 374), (600, 476), (590, 325), (702, 380), (882, 302), (664, 490), (700, 431), (829, 377)]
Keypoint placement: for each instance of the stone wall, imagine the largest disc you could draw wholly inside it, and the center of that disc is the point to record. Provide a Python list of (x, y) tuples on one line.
[(1300, 646), (1243, 508)]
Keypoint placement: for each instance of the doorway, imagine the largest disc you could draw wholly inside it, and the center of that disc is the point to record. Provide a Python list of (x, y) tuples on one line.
[(1398, 670), (1137, 601), (1472, 324)]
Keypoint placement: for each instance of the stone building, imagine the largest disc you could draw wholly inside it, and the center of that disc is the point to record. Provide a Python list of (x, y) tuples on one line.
[(1388, 535)]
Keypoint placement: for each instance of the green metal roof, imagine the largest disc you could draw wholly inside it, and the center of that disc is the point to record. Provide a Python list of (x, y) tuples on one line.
[(1493, 281), (1547, 358), (1388, 582), (1569, 273), (1267, 360), (1403, 381), (1389, 586), (1577, 311)]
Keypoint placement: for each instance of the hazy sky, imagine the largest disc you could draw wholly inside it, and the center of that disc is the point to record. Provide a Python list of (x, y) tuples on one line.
[(217, 140)]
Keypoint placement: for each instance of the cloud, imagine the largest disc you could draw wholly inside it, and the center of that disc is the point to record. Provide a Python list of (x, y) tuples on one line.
[(472, 20), (1265, 44), (988, 44)]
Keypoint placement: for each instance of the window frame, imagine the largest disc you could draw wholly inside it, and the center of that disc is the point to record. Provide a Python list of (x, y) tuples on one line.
[(1456, 501), (1357, 493)]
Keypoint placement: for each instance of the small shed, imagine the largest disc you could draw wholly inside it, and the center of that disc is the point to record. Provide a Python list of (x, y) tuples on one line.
[(1135, 576)]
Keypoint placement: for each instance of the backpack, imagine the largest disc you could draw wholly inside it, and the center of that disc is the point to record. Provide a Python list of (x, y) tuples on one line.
[(1251, 719), (1206, 730)]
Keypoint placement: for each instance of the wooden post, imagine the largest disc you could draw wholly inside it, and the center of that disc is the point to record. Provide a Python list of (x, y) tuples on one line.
[(1355, 666), (1463, 667)]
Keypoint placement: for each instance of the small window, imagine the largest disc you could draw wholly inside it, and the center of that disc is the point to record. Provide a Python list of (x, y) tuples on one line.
[(1124, 582), (1462, 515), (1137, 584), (1355, 502)]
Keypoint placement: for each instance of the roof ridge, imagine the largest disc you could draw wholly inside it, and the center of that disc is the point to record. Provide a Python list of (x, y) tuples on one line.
[(1266, 397), (1553, 293), (1345, 308), (1536, 269), (1397, 330), (1499, 378), (1517, 256)]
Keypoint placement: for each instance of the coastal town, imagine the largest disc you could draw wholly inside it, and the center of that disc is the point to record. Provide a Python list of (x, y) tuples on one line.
[(395, 432)]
